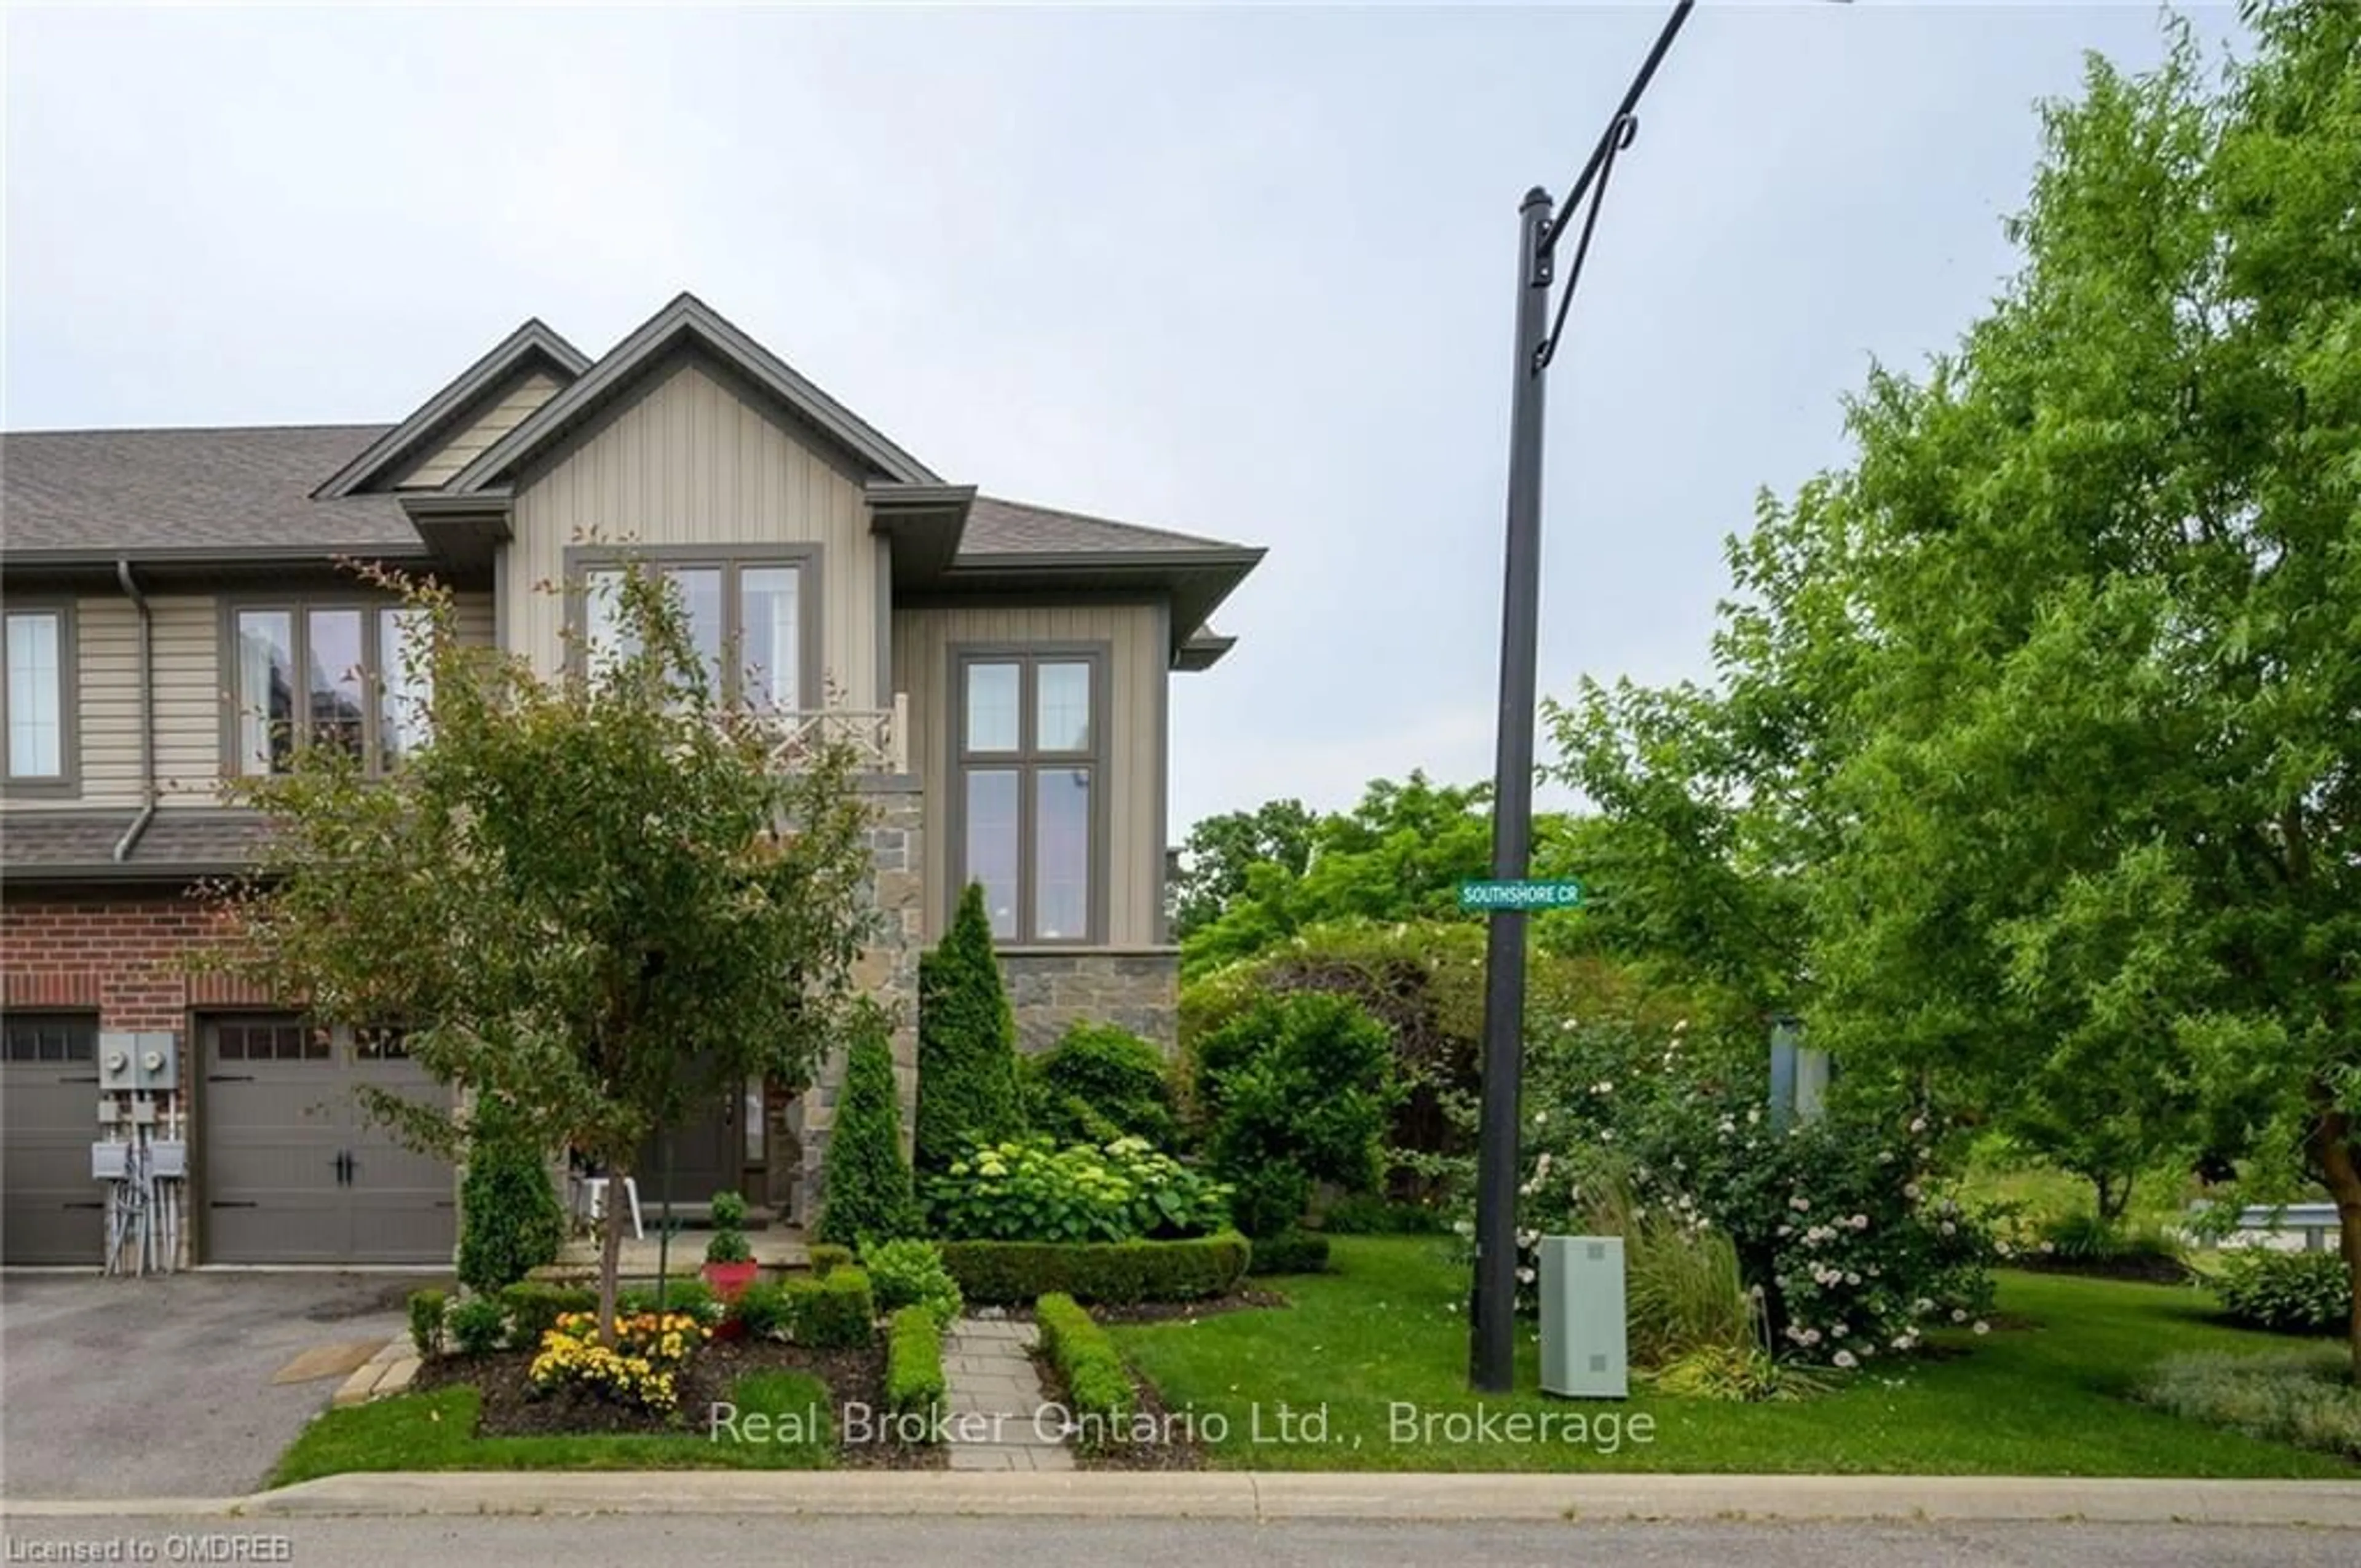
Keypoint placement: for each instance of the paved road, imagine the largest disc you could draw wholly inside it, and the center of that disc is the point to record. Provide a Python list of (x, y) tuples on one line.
[(782, 1542), (161, 1387)]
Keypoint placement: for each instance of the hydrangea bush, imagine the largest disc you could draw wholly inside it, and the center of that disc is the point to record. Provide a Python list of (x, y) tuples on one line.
[(1031, 1189), (1843, 1233)]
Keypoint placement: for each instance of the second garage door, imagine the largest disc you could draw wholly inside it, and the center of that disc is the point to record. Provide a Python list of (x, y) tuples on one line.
[(295, 1169)]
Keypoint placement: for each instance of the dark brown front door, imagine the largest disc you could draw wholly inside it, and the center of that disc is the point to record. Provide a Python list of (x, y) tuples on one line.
[(705, 1158)]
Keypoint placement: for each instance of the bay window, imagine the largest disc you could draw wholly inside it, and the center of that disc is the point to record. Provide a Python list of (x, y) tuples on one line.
[(1030, 790)]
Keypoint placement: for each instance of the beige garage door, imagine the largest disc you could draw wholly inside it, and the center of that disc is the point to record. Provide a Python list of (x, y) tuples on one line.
[(295, 1169), (51, 1210)]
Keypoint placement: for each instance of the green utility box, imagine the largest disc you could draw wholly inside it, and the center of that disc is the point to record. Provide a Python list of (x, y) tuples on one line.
[(1584, 1351)]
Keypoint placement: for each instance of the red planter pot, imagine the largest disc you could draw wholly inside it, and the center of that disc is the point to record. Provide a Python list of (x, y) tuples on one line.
[(729, 1280)]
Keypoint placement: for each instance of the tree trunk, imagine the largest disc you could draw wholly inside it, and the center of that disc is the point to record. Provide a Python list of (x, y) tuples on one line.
[(610, 1251), (2339, 1164), (2111, 1199)]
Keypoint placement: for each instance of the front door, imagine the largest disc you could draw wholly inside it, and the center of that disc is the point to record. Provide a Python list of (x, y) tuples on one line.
[(295, 1169), (704, 1158)]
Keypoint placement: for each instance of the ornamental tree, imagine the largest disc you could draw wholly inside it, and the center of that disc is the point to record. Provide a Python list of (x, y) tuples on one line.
[(591, 899)]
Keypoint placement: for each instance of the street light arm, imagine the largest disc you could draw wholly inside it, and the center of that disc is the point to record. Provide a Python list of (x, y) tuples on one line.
[(1624, 111), (1620, 137)]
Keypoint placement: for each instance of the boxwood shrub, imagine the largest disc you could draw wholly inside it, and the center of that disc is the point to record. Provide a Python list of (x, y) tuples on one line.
[(914, 1364), (478, 1326), (1098, 1386), (1291, 1252), (1113, 1273), (827, 1257), (762, 1310), (832, 1313), (534, 1307), (427, 1311)]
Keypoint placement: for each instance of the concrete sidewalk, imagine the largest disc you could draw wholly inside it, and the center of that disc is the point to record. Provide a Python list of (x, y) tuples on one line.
[(1237, 1495)]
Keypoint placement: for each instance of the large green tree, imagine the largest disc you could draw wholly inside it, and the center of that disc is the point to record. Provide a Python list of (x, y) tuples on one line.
[(1400, 854), (2042, 720), (592, 899)]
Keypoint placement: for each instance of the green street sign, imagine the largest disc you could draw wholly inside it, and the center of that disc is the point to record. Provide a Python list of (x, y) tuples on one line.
[(1493, 896)]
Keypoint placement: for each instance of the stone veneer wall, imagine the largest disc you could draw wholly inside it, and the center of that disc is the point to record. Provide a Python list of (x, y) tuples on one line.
[(888, 970), (1136, 989)]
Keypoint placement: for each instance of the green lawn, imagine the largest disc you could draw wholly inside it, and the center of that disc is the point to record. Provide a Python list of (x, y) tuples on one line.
[(436, 1432), (1389, 1328)]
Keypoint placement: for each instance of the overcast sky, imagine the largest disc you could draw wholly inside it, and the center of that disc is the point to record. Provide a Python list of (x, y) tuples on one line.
[(1241, 272)]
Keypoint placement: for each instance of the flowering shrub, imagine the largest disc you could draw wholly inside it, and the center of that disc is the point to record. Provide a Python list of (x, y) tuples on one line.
[(1030, 1189), (1840, 1231), (639, 1368)]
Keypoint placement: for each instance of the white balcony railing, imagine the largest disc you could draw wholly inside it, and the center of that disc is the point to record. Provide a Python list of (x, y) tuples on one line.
[(879, 737)]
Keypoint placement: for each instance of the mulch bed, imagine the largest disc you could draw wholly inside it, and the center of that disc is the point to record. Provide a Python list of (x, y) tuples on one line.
[(511, 1407), (1164, 1311), (1160, 1439)]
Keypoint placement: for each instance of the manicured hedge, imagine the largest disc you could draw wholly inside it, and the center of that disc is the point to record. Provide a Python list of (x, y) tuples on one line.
[(428, 1311), (534, 1307), (1291, 1252), (914, 1364), (1098, 1384), (827, 1257), (1114, 1273), (833, 1313)]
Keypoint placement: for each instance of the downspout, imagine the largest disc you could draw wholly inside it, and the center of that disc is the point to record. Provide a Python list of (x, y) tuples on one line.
[(124, 845)]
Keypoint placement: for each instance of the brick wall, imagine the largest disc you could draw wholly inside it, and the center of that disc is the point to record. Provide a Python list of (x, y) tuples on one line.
[(116, 953)]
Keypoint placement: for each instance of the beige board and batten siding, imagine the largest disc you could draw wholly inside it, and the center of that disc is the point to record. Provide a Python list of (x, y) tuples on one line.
[(1138, 668), (190, 693), (693, 462), (502, 412)]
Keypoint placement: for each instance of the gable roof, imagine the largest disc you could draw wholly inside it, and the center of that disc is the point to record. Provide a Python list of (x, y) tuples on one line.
[(689, 321), (194, 494), (531, 343)]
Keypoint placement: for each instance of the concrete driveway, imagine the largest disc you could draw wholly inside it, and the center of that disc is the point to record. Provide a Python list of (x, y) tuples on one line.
[(162, 1386)]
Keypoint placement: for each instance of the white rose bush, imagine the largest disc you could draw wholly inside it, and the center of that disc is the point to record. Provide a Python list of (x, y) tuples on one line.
[(1844, 1234)]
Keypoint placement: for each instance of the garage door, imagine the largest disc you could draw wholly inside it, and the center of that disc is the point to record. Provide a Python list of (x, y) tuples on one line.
[(295, 1169), (50, 1211)]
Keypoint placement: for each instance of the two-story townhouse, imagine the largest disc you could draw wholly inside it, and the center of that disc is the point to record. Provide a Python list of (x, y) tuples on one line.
[(176, 615)]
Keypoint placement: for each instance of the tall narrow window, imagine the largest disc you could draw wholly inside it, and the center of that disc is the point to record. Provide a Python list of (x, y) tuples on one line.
[(337, 676), (34, 695), (1031, 757)]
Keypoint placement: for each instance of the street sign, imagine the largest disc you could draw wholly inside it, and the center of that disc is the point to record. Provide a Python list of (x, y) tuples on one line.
[(1492, 896)]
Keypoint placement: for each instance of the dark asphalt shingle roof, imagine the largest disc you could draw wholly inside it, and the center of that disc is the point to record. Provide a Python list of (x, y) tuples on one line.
[(997, 527), (32, 842), (244, 489), (249, 488)]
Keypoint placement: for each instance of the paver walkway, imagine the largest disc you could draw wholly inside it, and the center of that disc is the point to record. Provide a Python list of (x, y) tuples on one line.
[(996, 1420)]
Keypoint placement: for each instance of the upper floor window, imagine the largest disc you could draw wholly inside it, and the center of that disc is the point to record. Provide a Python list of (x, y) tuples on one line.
[(1031, 764), (748, 617), (331, 673), (36, 695)]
